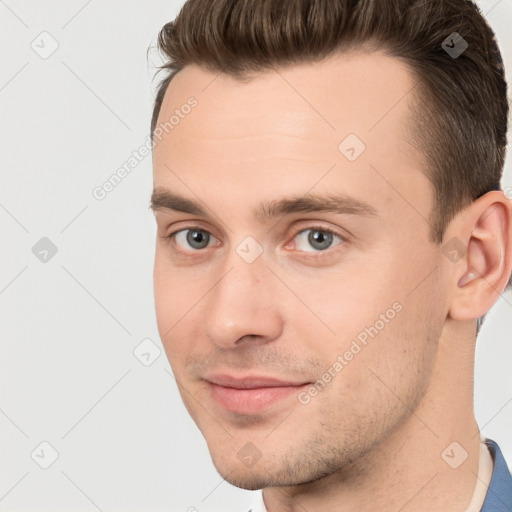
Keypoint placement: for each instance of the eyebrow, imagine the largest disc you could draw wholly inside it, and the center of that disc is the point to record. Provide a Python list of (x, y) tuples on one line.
[(163, 199)]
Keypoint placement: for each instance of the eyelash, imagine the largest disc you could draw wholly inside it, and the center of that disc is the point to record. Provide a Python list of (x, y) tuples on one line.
[(315, 254)]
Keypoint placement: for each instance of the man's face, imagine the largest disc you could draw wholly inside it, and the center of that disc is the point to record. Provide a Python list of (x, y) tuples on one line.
[(259, 296)]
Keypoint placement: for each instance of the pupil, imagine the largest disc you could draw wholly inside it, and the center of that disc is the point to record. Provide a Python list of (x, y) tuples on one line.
[(320, 240)]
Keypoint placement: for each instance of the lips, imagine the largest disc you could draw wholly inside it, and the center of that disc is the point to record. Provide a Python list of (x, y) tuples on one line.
[(251, 394)]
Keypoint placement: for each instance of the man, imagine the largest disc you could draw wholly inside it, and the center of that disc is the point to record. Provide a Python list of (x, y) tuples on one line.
[(331, 230)]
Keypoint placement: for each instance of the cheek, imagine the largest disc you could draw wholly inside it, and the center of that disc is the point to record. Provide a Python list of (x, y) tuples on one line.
[(179, 307), (375, 377), (173, 302), (342, 304), (164, 290), (176, 289), (366, 311), (398, 347)]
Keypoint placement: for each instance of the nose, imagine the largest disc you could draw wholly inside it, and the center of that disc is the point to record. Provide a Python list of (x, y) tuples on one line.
[(243, 306)]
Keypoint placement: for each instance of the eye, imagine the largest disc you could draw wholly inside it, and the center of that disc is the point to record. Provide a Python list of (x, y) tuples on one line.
[(195, 239), (316, 239)]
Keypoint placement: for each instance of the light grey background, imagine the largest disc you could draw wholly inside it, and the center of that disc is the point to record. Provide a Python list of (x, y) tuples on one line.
[(70, 325)]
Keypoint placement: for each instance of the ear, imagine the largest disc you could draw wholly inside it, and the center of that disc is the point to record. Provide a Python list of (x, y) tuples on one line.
[(482, 273)]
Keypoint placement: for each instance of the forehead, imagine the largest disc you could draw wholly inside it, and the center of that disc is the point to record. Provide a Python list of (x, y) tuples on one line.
[(351, 90), (286, 128)]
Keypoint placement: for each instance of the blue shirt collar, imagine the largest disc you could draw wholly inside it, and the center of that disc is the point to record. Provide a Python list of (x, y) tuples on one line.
[(499, 494)]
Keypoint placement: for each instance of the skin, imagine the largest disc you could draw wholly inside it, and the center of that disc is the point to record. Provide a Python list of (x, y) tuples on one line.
[(372, 438)]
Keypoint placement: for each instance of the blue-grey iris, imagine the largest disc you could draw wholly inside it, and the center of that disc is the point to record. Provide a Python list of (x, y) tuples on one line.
[(198, 239), (320, 240)]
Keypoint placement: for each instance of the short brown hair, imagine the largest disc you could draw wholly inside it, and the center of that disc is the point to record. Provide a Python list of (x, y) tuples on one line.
[(460, 119)]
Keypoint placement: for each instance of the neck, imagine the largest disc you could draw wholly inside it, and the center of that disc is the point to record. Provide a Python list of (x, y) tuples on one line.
[(414, 467)]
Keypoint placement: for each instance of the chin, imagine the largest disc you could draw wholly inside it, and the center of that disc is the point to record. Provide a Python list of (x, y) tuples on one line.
[(250, 483), (250, 479), (265, 473)]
